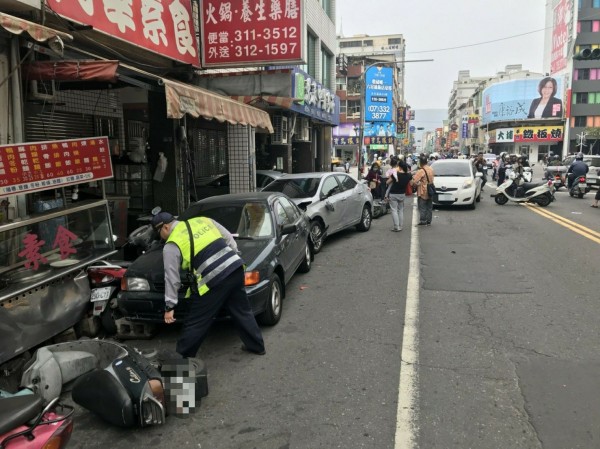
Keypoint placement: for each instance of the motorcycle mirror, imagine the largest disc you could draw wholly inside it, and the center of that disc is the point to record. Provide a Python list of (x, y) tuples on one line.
[(156, 210)]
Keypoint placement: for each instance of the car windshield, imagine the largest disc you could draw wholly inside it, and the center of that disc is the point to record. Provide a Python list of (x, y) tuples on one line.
[(451, 169), (296, 187), (593, 162), (249, 220)]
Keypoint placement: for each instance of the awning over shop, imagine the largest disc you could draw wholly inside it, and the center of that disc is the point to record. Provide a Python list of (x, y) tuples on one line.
[(72, 70), (38, 32), (284, 102), (187, 99)]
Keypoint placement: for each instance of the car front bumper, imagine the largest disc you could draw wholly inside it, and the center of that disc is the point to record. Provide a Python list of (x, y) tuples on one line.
[(458, 197)]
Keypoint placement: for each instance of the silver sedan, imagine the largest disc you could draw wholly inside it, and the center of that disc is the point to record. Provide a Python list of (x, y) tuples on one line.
[(333, 201)]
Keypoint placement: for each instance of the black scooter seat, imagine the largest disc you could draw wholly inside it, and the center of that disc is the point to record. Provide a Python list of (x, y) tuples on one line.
[(17, 410), (531, 185)]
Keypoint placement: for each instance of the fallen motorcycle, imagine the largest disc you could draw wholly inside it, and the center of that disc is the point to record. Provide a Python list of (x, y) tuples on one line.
[(120, 385)]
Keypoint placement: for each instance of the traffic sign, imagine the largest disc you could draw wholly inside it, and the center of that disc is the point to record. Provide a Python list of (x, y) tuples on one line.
[(412, 129)]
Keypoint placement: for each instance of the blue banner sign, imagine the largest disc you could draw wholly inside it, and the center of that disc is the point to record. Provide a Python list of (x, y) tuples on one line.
[(379, 94)]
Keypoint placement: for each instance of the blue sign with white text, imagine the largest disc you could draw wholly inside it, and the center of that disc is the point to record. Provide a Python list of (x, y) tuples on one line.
[(379, 94)]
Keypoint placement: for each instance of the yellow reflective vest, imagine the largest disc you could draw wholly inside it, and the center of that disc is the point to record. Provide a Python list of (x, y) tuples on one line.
[(213, 260)]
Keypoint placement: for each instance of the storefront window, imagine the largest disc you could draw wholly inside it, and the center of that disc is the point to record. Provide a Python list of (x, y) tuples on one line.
[(55, 240)]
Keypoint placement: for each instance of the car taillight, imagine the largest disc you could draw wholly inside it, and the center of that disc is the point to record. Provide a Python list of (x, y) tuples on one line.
[(124, 284), (251, 278), (61, 436)]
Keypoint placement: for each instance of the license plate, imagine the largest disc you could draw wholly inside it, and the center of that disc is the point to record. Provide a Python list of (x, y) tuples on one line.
[(445, 197), (101, 294)]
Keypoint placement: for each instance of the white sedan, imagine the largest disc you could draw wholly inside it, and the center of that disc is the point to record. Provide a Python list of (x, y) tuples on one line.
[(457, 182)]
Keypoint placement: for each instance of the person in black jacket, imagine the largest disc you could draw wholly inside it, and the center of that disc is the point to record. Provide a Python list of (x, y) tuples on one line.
[(547, 105), (398, 181)]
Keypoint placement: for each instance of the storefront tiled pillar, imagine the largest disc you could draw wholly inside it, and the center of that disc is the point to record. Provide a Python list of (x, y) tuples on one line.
[(242, 158)]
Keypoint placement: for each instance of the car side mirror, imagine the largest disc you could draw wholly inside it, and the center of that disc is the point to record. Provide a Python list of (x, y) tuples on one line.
[(289, 229)]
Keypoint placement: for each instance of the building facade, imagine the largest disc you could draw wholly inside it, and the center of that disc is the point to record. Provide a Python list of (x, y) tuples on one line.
[(360, 59)]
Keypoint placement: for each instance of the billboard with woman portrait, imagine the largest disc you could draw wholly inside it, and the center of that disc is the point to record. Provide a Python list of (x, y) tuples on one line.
[(522, 99)]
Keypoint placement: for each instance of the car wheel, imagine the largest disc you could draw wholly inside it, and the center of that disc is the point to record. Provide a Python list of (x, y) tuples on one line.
[(473, 204), (478, 199), (501, 199), (272, 313), (316, 235), (365, 219), (307, 262)]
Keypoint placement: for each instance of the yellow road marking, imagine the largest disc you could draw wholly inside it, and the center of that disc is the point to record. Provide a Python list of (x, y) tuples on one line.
[(575, 227)]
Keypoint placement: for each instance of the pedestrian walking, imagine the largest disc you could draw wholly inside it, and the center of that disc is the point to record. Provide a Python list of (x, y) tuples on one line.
[(422, 177), (347, 165), (397, 182), (209, 253)]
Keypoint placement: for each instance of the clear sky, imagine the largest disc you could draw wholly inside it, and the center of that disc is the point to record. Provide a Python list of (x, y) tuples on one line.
[(438, 24)]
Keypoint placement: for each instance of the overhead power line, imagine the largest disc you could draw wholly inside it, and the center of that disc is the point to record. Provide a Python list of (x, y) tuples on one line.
[(592, 16), (479, 43)]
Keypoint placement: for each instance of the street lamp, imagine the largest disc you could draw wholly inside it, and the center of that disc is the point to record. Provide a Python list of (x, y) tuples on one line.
[(363, 91)]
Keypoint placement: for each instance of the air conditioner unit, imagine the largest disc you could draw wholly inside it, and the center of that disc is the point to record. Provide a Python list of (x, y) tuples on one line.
[(41, 90), (280, 125), (302, 133)]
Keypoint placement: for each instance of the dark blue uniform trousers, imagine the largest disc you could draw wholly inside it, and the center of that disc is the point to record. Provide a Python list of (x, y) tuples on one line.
[(231, 294)]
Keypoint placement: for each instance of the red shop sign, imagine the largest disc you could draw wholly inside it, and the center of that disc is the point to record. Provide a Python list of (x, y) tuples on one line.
[(237, 33), (165, 27), (25, 167)]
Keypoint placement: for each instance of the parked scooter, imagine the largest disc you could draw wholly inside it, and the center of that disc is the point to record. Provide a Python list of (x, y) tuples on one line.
[(380, 205), (106, 276), (579, 187), (105, 281), (541, 193)]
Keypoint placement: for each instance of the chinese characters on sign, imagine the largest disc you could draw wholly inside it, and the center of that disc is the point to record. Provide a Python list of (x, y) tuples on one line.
[(380, 140), (314, 100), (26, 167), (378, 96), (165, 27), (527, 134), (251, 32), (31, 252), (560, 35), (343, 140)]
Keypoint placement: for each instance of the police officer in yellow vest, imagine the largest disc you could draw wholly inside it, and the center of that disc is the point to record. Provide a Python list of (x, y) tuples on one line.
[(220, 281)]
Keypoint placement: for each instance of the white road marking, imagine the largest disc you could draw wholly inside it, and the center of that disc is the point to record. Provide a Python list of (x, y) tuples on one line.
[(408, 389)]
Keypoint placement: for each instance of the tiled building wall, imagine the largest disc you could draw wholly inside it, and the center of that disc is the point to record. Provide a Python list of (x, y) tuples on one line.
[(242, 160), (322, 26)]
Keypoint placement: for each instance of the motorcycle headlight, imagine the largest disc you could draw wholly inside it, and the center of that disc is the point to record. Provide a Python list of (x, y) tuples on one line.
[(467, 184), (137, 285)]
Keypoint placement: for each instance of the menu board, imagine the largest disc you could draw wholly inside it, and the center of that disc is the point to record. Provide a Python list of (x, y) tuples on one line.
[(26, 167)]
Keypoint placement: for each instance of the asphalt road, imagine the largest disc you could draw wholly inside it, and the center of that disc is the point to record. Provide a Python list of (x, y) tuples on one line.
[(507, 344)]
